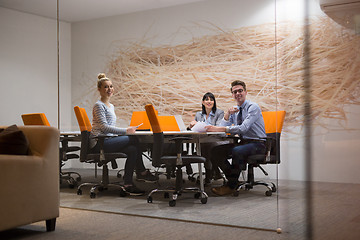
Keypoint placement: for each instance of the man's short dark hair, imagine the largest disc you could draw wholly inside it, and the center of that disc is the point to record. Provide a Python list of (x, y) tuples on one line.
[(238, 82)]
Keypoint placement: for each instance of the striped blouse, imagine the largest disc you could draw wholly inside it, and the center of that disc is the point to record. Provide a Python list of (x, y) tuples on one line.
[(104, 122)]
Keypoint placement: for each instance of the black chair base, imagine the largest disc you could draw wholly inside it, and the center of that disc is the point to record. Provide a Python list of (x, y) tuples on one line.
[(271, 187), (103, 185), (71, 181), (178, 190), (250, 183)]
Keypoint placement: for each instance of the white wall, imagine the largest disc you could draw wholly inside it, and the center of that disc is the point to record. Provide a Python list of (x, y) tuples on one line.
[(28, 66)]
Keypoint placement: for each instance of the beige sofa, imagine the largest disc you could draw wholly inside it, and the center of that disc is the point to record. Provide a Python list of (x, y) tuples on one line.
[(30, 183)]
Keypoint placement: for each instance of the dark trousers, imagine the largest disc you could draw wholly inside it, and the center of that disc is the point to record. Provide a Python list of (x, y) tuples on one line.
[(239, 154), (131, 147)]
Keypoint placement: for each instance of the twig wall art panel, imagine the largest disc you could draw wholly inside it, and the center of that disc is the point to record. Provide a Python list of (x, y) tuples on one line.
[(268, 58)]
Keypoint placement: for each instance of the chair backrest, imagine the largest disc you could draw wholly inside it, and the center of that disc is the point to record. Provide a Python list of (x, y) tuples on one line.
[(153, 118), (35, 119), (274, 122), (140, 117), (83, 119), (84, 147), (158, 135)]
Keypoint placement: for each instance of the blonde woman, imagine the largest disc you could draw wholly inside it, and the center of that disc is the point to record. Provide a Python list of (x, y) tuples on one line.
[(104, 121)]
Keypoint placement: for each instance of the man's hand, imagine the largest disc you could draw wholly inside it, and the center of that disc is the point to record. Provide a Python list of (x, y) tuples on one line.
[(230, 111)]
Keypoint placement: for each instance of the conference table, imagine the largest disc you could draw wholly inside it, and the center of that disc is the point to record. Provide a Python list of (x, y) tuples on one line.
[(146, 137), (197, 138)]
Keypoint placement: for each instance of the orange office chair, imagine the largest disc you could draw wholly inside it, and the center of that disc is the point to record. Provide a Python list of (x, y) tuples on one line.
[(35, 119), (66, 151), (101, 158), (177, 161), (168, 123), (273, 125)]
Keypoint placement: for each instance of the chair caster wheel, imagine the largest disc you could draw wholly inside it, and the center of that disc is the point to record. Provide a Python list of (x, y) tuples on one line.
[(118, 175), (79, 192), (149, 200), (273, 189), (191, 179), (71, 183), (92, 195), (122, 193), (172, 203), (204, 200), (268, 193)]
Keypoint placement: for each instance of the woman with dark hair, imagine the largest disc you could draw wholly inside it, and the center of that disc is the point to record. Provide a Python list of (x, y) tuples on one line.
[(211, 116)]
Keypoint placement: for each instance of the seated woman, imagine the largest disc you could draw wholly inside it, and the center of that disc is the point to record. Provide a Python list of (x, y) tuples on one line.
[(104, 120), (211, 116)]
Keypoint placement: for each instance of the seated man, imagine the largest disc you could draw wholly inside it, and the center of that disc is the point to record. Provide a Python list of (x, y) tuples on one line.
[(245, 120)]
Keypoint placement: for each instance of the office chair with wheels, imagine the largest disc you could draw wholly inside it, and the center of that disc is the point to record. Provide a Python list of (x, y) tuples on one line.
[(140, 119), (101, 159), (273, 126), (169, 123), (177, 161), (66, 151)]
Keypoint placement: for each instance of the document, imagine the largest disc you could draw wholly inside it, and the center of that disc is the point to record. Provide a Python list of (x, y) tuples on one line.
[(199, 127)]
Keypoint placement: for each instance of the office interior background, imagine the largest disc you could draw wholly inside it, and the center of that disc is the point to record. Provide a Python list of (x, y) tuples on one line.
[(29, 72)]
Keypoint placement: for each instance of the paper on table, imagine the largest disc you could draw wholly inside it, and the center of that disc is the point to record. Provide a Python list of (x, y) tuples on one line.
[(199, 127)]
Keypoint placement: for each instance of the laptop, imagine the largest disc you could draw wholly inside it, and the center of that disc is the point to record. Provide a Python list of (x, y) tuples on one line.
[(180, 123)]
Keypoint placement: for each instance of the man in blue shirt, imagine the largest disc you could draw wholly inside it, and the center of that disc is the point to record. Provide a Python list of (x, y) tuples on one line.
[(246, 121)]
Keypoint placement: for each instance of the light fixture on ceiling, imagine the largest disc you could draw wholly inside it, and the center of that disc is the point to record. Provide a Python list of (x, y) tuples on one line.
[(344, 12)]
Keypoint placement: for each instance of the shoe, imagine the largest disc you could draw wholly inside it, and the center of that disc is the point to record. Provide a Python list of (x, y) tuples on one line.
[(132, 190), (148, 177), (218, 176), (207, 182), (223, 190)]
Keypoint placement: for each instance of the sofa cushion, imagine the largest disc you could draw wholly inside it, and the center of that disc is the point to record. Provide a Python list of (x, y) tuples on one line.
[(13, 141)]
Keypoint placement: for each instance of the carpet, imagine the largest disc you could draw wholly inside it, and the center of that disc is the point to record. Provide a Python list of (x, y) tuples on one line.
[(251, 209)]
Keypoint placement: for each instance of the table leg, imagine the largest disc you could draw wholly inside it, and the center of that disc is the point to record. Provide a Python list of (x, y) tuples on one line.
[(201, 177)]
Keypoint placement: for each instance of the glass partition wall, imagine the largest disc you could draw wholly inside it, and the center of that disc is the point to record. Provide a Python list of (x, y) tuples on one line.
[(298, 56), (172, 56)]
